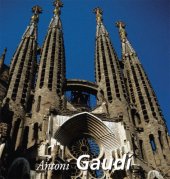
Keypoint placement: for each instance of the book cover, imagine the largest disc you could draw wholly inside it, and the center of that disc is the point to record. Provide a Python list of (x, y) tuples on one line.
[(84, 89)]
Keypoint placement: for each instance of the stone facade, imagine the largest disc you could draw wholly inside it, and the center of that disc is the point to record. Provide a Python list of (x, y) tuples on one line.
[(47, 122)]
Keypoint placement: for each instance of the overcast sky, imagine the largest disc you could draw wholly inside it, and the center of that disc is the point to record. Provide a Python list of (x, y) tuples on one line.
[(148, 28)]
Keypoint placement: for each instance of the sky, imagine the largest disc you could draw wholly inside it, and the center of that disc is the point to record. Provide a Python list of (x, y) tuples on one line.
[(147, 25)]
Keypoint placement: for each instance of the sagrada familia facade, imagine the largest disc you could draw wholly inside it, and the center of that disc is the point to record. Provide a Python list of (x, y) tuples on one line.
[(40, 125)]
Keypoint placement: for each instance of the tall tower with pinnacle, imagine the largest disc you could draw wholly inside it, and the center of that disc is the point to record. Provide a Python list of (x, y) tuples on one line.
[(47, 122), (107, 68), (51, 74), (21, 78), (154, 137)]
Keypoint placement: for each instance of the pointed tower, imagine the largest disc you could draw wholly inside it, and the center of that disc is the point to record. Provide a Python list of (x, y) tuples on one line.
[(51, 74), (107, 70), (21, 79), (111, 88), (23, 63), (154, 138), (2, 58)]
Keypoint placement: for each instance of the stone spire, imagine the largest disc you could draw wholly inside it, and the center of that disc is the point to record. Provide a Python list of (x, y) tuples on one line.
[(143, 97), (56, 22), (2, 58), (22, 70), (135, 74), (123, 35), (58, 4), (99, 14), (107, 68), (126, 46), (23, 63), (99, 20), (51, 74), (36, 11)]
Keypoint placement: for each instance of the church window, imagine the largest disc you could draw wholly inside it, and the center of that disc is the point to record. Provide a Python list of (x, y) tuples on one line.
[(141, 148), (38, 104), (85, 145), (160, 139), (15, 131), (35, 134), (152, 142), (25, 137)]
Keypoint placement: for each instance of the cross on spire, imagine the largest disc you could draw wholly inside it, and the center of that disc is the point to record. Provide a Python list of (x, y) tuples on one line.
[(98, 11), (58, 4), (36, 11), (121, 25)]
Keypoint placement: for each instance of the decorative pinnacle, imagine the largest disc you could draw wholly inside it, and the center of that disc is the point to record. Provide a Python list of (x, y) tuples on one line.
[(36, 11), (58, 4), (121, 25), (98, 11)]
